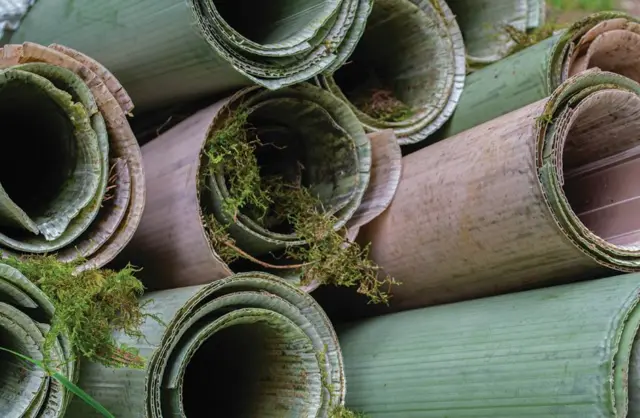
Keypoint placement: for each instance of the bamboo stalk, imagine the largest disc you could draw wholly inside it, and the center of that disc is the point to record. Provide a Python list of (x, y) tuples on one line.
[(250, 337), (79, 194), (563, 351), (543, 195), (485, 24), (25, 318), (175, 243), (606, 40), (407, 72), (167, 51)]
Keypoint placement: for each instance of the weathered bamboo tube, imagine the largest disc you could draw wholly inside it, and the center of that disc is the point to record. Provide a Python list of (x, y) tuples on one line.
[(167, 51), (607, 40), (173, 244), (564, 351), (411, 53), (485, 24), (540, 196), (251, 345), (73, 183), (25, 318)]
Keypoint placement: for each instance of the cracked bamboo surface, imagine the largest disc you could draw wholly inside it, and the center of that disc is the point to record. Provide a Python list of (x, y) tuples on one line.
[(493, 209)]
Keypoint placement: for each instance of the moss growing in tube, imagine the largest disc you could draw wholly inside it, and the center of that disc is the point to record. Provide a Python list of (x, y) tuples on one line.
[(278, 202), (89, 307)]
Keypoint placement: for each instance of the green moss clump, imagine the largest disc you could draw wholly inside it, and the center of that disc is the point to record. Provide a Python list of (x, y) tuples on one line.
[(342, 412), (327, 259), (89, 307), (524, 40)]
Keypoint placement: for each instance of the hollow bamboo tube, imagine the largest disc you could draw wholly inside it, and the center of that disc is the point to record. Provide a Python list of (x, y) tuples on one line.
[(537, 197), (564, 351), (250, 344), (606, 40), (168, 51), (172, 244), (80, 194), (407, 72)]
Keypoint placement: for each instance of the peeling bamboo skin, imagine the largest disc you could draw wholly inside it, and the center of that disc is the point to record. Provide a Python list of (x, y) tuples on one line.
[(174, 50), (188, 312), (563, 351), (469, 219), (171, 244), (519, 79)]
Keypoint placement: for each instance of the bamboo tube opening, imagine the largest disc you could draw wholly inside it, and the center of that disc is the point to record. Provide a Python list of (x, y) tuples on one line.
[(269, 22), (392, 73), (34, 167), (601, 164), (270, 365)]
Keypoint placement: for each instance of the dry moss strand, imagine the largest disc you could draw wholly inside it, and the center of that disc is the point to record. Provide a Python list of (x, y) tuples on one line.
[(89, 307)]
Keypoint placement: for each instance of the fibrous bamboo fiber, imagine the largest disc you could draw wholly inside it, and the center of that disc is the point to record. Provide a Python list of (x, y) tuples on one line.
[(25, 318), (246, 346), (72, 179), (171, 50), (565, 351), (407, 72), (607, 40), (485, 25), (539, 196), (174, 242)]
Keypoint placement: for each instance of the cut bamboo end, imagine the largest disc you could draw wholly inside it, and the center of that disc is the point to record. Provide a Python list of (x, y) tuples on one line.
[(407, 72), (251, 336), (78, 222), (526, 200)]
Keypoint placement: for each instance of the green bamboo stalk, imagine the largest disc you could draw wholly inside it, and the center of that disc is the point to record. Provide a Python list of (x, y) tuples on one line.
[(484, 25), (171, 50), (407, 72), (248, 345), (73, 140), (558, 352), (25, 318), (534, 73)]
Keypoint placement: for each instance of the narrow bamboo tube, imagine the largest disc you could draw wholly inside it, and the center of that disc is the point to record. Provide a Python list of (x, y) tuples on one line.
[(540, 196)]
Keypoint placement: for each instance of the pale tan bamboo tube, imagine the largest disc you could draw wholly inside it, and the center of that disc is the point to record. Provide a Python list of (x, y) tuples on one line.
[(544, 195), (172, 245)]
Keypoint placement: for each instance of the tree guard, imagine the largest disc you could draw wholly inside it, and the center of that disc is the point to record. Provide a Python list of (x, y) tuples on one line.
[(72, 183), (168, 51), (540, 196)]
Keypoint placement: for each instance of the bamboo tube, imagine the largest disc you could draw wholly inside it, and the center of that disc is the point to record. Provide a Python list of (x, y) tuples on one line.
[(542, 195), (174, 243), (484, 25), (72, 184), (563, 351), (607, 40), (25, 318), (407, 72), (167, 51), (250, 344)]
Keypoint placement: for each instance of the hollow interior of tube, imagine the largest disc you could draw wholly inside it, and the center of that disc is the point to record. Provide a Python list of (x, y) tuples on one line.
[(601, 165), (39, 148), (617, 51), (269, 22), (399, 64), (251, 370), (298, 145)]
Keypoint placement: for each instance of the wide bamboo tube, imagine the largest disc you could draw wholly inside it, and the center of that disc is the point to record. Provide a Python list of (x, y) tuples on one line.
[(411, 55), (72, 176), (173, 244), (564, 351), (540, 196), (248, 345), (168, 51)]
